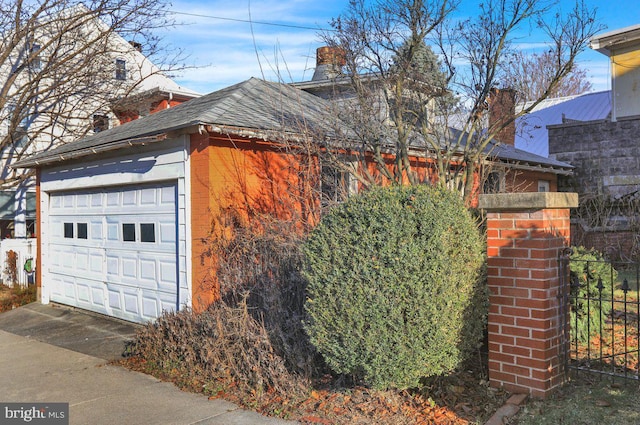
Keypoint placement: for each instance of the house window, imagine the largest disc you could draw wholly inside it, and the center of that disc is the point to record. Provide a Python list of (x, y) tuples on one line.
[(68, 230), (82, 230), (35, 62), (31, 214), (543, 186), (129, 232), (121, 69), (100, 123), (7, 213), (147, 232), (20, 136), (494, 183), (337, 185)]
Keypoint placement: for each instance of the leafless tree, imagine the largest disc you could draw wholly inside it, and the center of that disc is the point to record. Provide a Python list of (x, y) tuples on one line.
[(59, 69), (530, 75), (396, 112)]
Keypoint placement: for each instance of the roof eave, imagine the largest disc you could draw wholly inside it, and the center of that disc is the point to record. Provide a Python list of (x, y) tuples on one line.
[(81, 153)]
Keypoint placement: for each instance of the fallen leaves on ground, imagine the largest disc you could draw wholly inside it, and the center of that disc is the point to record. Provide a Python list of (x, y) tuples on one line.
[(459, 399)]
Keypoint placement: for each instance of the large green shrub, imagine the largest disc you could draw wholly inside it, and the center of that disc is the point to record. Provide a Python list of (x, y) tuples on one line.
[(590, 301), (393, 285)]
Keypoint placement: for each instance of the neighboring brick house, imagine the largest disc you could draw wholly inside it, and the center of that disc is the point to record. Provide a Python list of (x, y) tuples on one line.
[(508, 168), (606, 155)]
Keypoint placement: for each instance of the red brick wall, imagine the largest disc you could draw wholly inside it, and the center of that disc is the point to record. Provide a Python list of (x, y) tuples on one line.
[(204, 288), (524, 283)]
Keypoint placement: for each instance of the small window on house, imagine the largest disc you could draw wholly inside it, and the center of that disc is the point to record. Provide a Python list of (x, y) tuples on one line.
[(35, 62), (337, 185), (121, 69), (100, 123), (82, 230), (493, 183), (31, 214), (543, 186), (68, 230), (129, 232), (20, 136), (147, 232)]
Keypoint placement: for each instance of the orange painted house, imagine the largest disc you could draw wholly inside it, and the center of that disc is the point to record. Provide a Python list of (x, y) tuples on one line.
[(125, 216)]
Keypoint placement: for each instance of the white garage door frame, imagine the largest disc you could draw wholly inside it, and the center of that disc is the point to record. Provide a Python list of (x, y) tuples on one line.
[(132, 280)]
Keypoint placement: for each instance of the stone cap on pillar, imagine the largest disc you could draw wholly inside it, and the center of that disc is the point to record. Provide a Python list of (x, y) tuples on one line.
[(528, 201)]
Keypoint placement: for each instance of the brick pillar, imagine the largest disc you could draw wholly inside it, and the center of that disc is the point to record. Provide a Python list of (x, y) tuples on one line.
[(525, 234)]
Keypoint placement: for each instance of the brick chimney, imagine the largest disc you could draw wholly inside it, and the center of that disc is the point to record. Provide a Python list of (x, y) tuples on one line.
[(502, 107), (329, 63)]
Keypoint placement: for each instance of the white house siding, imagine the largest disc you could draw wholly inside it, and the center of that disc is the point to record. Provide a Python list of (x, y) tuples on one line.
[(132, 280)]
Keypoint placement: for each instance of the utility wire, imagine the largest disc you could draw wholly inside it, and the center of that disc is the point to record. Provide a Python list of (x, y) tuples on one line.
[(249, 21)]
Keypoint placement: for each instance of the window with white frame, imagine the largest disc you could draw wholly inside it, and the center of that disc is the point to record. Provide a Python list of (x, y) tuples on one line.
[(337, 183), (121, 69), (543, 186)]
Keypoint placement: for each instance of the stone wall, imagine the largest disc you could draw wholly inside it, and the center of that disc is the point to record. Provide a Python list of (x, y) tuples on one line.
[(605, 154), (606, 157)]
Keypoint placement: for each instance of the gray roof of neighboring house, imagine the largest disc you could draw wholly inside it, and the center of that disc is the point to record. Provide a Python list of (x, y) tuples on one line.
[(531, 129), (254, 107)]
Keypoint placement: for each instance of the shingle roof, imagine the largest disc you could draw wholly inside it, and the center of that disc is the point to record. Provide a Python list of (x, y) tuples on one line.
[(253, 104)]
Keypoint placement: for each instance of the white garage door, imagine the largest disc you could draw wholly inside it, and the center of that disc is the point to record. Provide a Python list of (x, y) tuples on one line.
[(114, 251)]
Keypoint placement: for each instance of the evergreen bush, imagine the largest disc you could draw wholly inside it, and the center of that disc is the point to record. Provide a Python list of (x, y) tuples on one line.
[(394, 291), (592, 278)]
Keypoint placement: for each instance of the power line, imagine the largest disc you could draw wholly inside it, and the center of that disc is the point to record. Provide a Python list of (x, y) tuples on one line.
[(248, 21)]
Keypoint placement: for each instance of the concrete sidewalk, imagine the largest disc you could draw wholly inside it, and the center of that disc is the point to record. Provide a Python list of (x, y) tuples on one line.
[(52, 354)]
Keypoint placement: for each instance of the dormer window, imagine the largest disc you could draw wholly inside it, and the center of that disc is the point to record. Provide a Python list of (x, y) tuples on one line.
[(121, 69)]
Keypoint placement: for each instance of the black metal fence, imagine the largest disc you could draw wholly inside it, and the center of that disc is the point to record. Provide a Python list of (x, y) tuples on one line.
[(600, 303)]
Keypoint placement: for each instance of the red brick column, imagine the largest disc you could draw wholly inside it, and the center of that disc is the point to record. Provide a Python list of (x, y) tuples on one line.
[(525, 235)]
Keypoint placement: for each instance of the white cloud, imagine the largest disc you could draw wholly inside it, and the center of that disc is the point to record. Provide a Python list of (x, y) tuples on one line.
[(224, 51)]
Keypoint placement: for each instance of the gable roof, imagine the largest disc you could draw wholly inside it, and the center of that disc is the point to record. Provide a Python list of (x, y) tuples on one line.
[(531, 129), (254, 104)]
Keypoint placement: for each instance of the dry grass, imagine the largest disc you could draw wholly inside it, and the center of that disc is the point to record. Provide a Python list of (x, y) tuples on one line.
[(16, 296)]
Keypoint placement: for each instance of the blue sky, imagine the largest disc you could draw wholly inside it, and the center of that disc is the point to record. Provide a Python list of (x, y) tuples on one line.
[(228, 50)]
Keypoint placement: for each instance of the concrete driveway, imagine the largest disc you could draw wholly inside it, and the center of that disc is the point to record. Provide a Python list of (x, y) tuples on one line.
[(52, 354)]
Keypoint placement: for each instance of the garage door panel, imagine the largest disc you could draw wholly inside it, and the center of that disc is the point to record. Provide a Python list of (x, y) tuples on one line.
[(131, 303), (97, 296), (83, 291), (134, 278), (96, 263), (115, 301), (150, 307), (96, 233), (82, 262), (82, 201)]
